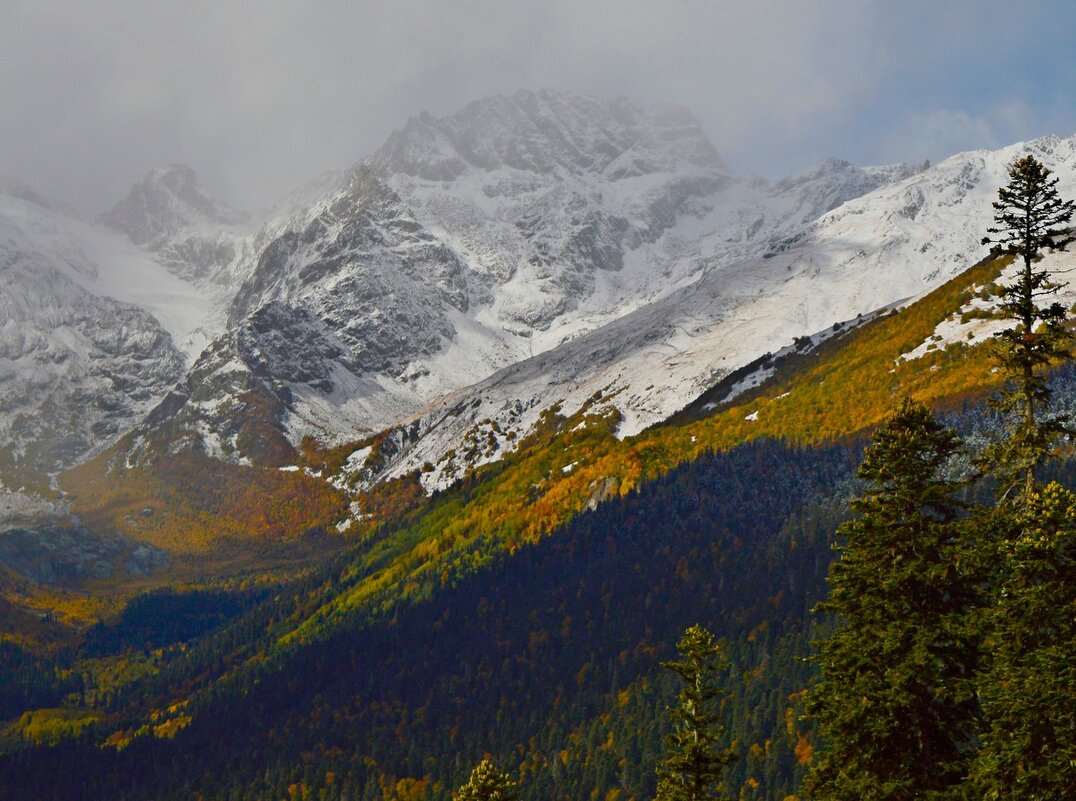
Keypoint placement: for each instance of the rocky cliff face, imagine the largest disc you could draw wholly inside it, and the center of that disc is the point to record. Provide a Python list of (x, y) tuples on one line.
[(169, 214), (362, 265)]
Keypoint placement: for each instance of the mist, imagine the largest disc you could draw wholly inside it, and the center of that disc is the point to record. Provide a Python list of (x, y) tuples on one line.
[(261, 97)]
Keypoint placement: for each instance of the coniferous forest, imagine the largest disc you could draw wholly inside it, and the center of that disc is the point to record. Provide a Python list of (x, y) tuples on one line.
[(548, 660)]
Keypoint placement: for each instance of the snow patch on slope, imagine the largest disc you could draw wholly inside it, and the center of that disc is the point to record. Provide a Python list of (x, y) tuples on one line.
[(107, 266), (976, 321)]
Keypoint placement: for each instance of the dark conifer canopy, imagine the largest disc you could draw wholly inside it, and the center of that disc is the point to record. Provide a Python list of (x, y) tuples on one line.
[(893, 704)]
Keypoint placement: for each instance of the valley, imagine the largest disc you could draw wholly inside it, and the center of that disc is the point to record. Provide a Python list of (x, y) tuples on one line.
[(437, 457)]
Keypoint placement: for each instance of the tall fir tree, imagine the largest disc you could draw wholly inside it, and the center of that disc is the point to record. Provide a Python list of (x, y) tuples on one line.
[(696, 760), (1027, 684), (1028, 690), (488, 784), (894, 703), (1030, 216)]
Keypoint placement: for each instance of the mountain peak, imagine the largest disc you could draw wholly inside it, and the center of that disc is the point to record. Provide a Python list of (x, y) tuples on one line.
[(546, 132), (13, 186), (179, 178), (169, 199)]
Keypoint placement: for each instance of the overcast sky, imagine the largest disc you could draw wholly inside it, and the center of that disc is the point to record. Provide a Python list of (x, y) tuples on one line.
[(260, 97)]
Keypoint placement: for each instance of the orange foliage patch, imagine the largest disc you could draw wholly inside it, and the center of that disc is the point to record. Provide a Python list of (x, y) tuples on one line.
[(187, 502)]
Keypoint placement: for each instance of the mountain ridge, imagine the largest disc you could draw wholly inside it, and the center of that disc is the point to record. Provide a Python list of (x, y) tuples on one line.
[(534, 249), (444, 316), (824, 274)]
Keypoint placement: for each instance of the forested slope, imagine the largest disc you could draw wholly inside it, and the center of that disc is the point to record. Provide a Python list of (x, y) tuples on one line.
[(527, 660)]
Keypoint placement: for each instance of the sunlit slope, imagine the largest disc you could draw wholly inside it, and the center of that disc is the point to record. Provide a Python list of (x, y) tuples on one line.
[(845, 385), (189, 504), (849, 384)]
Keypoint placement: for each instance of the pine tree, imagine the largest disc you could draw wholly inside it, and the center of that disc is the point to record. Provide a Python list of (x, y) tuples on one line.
[(1030, 217), (1028, 691), (488, 784), (894, 703), (1027, 685), (695, 762)]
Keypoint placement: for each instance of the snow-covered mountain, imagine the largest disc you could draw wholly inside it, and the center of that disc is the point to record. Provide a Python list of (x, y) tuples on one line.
[(470, 243), (88, 331), (528, 251), (169, 214), (101, 321), (890, 244)]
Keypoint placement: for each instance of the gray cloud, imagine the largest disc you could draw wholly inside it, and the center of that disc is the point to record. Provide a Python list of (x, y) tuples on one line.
[(261, 96)]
